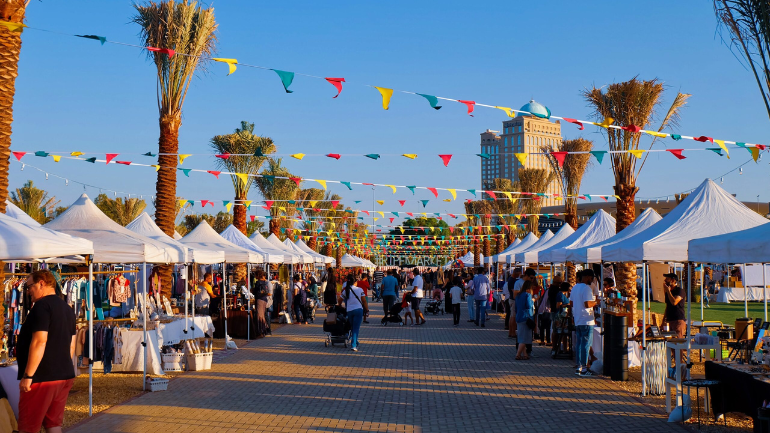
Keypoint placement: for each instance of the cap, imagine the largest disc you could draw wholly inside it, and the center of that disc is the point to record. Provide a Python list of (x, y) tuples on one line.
[(672, 276)]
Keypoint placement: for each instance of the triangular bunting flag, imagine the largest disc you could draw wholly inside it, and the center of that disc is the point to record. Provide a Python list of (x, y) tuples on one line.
[(374, 156), (227, 205), (411, 188), (472, 191), (186, 171), (424, 202), (76, 154), (215, 173), (446, 159), (606, 122), (183, 157), (721, 144), (322, 183), (336, 156), (434, 191), (576, 122), (522, 157), (409, 155), (222, 156), (347, 184), (286, 79), (298, 156), (244, 177), (677, 153), (393, 187), (469, 104), (167, 51), (402, 202), (92, 160), (484, 155), (599, 155), (19, 155), (337, 83), (296, 180), (509, 111), (110, 156), (636, 152), (432, 100), (453, 192), (559, 156), (386, 95), (57, 158)]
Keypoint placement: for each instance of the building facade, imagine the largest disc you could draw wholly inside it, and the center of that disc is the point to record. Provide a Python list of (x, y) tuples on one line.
[(522, 134)]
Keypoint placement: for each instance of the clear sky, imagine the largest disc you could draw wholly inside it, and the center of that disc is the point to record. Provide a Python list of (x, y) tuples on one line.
[(73, 94)]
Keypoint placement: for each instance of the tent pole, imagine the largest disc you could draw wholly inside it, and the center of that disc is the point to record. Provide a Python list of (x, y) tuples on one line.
[(225, 287), (764, 289), (644, 328), (248, 302), (192, 306), (702, 274), (745, 291), (91, 339), (689, 309), (144, 324), (187, 275)]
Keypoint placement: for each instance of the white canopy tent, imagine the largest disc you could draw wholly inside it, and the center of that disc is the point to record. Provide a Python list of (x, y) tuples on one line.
[(13, 211), (599, 227), (277, 244), (528, 240), (237, 237), (709, 210), (593, 253), (496, 258), (145, 226), (307, 257), (349, 261), (744, 246), (204, 237), (545, 237), (22, 242), (177, 236), (467, 260), (277, 254), (532, 254), (304, 247)]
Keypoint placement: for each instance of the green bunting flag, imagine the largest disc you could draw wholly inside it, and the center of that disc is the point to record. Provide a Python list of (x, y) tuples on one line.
[(411, 188), (292, 202), (676, 137), (186, 171), (472, 191), (92, 160), (588, 197), (225, 203), (270, 178), (373, 155), (741, 144), (599, 155), (101, 39), (347, 184), (149, 154), (395, 213), (41, 153), (192, 202), (424, 202), (286, 79), (716, 150), (433, 101), (484, 155), (259, 152), (357, 201)]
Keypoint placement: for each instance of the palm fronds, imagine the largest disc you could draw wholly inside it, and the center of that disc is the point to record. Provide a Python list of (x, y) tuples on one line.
[(35, 202), (240, 143), (570, 174), (534, 180), (122, 210)]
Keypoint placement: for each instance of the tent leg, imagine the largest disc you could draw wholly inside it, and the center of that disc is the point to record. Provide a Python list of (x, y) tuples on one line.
[(745, 291), (192, 305), (702, 274), (187, 275), (764, 289), (689, 309), (90, 339), (248, 302), (644, 328), (144, 324), (224, 297)]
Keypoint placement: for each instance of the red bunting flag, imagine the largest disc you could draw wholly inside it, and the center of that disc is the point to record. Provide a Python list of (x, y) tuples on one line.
[(677, 153), (111, 156), (335, 203), (469, 104), (205, 202), (402, 202), (370, 184), (223, 156), (296, 180), (632, 128), (167, 51), (19, 155), (604, 197), (391, 219), (410, 214), (452, 215), (451, 229), (576, 122), (337, 83), (760, 146), (703, 139), (446, 159), (492, 194), (365, 211), (434, 191), (123, 162), (215, 173), (268, 204), (336, 156), (559, 157)]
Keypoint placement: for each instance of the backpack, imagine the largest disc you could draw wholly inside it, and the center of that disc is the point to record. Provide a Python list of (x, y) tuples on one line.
[(261, 290)]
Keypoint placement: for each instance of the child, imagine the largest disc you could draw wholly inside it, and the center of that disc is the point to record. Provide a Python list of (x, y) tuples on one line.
[(406, 305)]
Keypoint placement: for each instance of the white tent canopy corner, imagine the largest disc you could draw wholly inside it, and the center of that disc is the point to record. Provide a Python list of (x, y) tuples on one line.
[(278, 254), (599, 227), (593, 253), (206, 238)]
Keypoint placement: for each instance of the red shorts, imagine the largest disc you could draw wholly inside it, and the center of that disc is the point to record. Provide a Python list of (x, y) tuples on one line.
[(43, 405)]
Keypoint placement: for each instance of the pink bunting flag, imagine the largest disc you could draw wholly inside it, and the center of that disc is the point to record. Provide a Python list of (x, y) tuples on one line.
[(268, 204), (491, 194), (370, 184), (123, 162), (337, 83), (111, 156), (215, 173), (677, 153), (167, 51), (576, 122), (632, 128), (469, 104), (335, 203), (582, 197), (19, 155), (336, 156), (223, 156), (559, 157), (296, 180), (434, 191), (703, 139), (446, 159), (402, 202)]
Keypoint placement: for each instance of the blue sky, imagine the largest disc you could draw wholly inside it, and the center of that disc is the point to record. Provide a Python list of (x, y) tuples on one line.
[(73, 94)]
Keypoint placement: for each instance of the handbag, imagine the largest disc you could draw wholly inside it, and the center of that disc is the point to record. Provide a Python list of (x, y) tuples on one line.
[(530, 323)]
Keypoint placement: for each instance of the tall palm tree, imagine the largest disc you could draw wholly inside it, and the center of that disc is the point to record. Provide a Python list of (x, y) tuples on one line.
[(535, 180), (10, 46), (481, 208), (632, 102), (506, 207), (187, 28), (242, 145), (570, 174), (35, 202), (276, 189), (121, 210)]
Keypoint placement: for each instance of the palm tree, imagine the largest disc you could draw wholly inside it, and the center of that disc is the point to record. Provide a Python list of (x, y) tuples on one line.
[(506, 207), (35, 202), (218, 222), (570, 174), (10, 46), (534, 180), (241, 145), (632, 102), (121, 210), (481, 208), (278, 190)]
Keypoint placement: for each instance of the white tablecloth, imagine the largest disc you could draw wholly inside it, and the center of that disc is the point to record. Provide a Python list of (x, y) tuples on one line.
[(173, 333), (634, 351), (737, 293), (8, 380), (132, 353)]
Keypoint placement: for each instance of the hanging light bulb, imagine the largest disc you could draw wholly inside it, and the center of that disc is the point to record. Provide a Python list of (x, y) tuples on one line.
[(46, 176), (22, 167), (721, 180), (740, 170), (66, 182)]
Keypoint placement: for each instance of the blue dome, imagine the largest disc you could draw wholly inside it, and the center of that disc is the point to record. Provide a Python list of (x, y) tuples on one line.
[(537, 109)]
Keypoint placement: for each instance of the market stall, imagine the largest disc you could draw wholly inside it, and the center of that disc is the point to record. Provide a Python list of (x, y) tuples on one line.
[(324, 259), (496, 258), (599, 227), (278, 254), (510, 258)]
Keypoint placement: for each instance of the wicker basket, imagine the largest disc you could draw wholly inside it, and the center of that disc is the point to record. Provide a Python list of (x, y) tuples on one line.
[(157, 385), (199, 361), (172, 361)]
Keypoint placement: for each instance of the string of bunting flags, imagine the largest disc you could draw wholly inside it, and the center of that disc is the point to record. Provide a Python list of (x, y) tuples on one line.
[(287, 78)]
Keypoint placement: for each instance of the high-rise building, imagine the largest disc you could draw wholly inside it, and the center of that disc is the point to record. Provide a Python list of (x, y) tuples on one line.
[(522, 134)]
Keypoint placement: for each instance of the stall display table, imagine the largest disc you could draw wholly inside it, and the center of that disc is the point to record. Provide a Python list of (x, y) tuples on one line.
[(173, 332), (738, 391), (674, 350), (739, 293), (132, 353), (634, 350)]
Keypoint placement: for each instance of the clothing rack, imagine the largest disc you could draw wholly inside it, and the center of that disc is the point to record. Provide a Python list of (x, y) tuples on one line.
[(68, 274), (110, 320)]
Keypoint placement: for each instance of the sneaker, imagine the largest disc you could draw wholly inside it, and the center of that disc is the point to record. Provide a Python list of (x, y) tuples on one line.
[(578, 371), (354, 349), (456, 325), (366, 321), (586, 373), (483, 325)]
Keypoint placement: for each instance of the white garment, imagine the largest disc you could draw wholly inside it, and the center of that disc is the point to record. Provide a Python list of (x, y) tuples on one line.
[(351, 302), (582, 293), (456, 293), (417, 283)]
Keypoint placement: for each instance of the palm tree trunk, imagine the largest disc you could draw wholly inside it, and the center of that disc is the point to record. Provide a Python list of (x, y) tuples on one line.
[(340, 253), (275, 227), (165, 188), (476, 250), (533, 222), (501, 245), (626, 275), (239, 222), (312, 243)]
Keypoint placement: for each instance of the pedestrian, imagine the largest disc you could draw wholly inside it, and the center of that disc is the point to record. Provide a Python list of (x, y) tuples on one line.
[(583, 302), (262, 292), (544, 310), (524, 319), (330, 293), (674, 315), (558, 301), (299, 298), (44, 352), (507, 298), (406, 307), (456, 295), (377, 289), (481, 288), (204, 294), (417, 295), (389, 289), (364, 285), (356, 307), (529, 275)]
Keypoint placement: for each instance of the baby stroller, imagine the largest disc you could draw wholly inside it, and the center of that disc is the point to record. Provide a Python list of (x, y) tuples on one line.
[(393, 316), (339, 331), (435, 305)]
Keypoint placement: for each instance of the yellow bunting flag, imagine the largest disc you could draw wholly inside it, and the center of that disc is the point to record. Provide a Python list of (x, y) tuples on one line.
[(298, 156), (522, 157), (409, 155), (721, 144), (393, 187), (243, 177), (182, 203), (636, 152), (453, 192), (656, 134), (381, 202), (509, 111), (230, 63), (606, 122), (508, 194), (402, 229), (376, 219), (282, 208), (754, 153), (76, 153), (322, 182), (386, 94), (228, 206), (446, 199), (56, 158), (182, 157), (313, 202), (157, 167), (382, 214), (616, 197), (13, 27)]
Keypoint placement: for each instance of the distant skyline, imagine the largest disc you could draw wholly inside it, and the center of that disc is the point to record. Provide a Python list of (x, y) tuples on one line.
[(74, 94)]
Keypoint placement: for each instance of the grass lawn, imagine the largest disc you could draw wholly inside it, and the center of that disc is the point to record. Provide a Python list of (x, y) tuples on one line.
[(725, 313)]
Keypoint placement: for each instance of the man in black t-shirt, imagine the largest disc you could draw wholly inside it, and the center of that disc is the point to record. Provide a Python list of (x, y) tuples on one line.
[(44, 353), (674, 314)]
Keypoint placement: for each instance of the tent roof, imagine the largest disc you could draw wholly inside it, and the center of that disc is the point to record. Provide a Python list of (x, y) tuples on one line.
[(306, 257), (532, 254), (177, 236), (112, 242), (303, 246), (235, 236), (744, 246), (277, 244), (279, 253), (593, 253), (523, 246), (145, 226), (528, 240), (349, 261), (709, 210), (598, 228), (13, 211), (467, 259), (495, 258), (206, 238), (23, 242)]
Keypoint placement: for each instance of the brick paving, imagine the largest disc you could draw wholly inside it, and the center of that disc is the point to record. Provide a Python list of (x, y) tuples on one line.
[(432, 378)]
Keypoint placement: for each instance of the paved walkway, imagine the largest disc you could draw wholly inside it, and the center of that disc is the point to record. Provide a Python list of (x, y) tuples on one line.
[(432, 378)]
